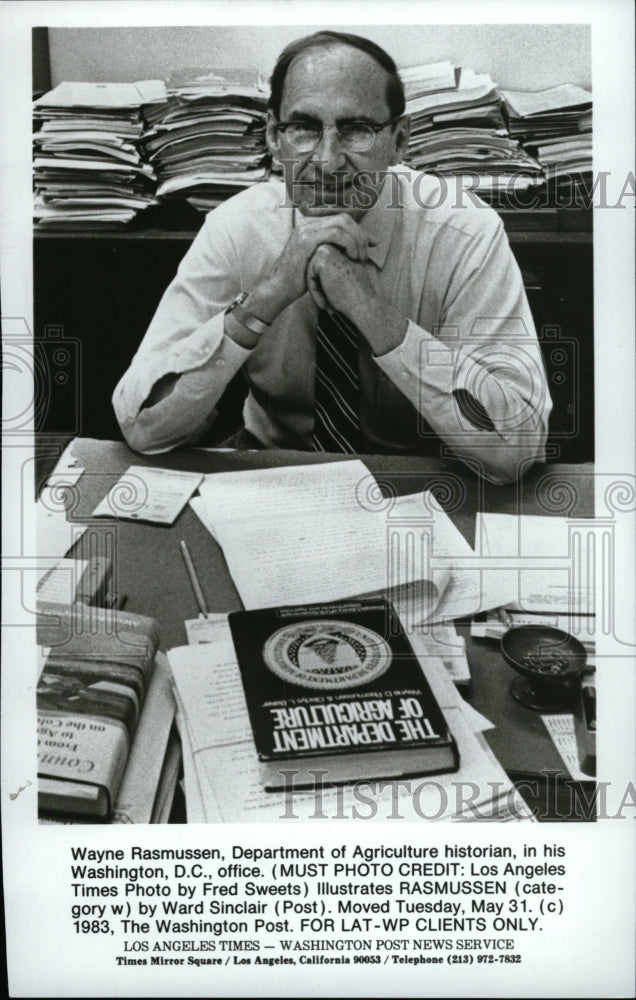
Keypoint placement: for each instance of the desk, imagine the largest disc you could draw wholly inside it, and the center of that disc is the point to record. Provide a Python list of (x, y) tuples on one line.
[(148, 568)]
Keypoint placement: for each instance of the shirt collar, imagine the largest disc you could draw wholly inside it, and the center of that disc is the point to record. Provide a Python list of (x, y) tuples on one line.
[(380, 221)]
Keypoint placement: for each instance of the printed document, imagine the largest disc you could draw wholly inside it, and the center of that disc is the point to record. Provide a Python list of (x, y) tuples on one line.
[(548, 562), (325, 532), (141, 494)]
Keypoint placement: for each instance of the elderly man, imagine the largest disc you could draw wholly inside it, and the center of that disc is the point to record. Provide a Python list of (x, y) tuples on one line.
[(370, 309)]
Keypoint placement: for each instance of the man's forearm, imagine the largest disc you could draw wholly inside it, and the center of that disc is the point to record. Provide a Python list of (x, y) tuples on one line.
[(265, 302), (380, 323), (169, 397), (496, 418)]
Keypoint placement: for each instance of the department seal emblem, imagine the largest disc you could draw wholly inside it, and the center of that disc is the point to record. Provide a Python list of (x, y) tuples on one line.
[(327, 655)]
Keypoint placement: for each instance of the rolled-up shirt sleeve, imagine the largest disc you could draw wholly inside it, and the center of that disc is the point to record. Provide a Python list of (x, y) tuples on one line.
[(185, 339), (478, 378)]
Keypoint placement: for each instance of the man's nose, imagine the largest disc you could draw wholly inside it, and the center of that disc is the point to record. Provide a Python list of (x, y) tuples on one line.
[(329, 152)]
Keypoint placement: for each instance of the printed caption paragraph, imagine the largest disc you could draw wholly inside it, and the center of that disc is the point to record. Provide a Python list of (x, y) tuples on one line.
[(339, 905)]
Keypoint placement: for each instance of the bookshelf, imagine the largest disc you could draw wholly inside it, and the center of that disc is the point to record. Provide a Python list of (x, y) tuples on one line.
[(100, 289)]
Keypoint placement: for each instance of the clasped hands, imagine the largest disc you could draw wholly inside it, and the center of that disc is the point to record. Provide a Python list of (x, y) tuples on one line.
[(337, 276), (326, 256)]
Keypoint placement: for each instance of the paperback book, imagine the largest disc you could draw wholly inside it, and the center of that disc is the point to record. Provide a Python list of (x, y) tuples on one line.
[(90, 696)]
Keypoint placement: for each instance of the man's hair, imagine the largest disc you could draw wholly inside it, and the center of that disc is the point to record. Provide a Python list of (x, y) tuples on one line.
[(330, 39)]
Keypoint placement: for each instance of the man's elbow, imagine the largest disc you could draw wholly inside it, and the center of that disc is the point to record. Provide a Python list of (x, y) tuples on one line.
[(506, 462), (142, 437), (138, 439), (154, 430), (515, 444), (140, 431)]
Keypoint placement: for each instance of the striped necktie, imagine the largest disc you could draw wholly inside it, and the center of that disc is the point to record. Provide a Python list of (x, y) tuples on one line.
[(337, 385)]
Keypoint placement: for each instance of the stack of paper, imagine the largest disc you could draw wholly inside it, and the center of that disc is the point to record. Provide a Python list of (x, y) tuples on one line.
[(222, 782), (321, 536), (87, 164), (548, 562), (207, 142), (459, 130), (150, 780), (429, 79), (565, 154), (473, 97), (488, 155), (325, 532), (558, 111), (555, 125)]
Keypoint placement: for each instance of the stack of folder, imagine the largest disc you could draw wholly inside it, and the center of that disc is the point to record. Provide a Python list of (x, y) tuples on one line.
[(489, 156), (88, 169), (466, 97), (429, 79), (555, 125), (207, 141), (457, 129), (104, 151)]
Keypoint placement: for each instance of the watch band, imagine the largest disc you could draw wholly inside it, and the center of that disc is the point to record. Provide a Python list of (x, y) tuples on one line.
[(245, 318)]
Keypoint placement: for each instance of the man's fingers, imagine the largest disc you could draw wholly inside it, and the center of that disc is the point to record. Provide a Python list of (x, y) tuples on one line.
[(314, 286), (354, 248), (337, 233), (318, 297), (342, 231), (351, 230)]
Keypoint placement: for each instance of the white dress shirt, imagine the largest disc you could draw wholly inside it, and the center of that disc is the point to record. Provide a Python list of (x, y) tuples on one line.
[(469, 370)]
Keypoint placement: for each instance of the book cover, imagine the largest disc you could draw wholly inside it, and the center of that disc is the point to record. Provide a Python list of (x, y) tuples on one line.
[(90, 696), (337, 688)]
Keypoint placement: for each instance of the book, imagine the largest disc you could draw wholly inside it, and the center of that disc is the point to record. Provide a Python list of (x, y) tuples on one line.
[(221, 778), (90, 696), (149, 782), (149, 760), (336, 688)]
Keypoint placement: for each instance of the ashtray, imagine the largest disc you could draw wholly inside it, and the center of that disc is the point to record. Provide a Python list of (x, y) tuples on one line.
[(549, 661)]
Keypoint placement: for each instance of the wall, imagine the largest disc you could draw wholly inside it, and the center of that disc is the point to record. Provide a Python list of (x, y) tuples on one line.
[(528, 57)]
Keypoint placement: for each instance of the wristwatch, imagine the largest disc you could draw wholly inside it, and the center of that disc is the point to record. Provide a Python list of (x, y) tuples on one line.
[(244, 317)]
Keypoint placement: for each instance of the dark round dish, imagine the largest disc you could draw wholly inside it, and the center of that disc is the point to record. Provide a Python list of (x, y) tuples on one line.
[(550, 662)]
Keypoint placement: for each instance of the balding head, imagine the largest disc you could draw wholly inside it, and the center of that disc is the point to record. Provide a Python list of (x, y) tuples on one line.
[(325, 40)]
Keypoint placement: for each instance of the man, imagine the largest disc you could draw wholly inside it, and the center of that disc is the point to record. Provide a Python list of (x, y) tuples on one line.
[(369, 309)]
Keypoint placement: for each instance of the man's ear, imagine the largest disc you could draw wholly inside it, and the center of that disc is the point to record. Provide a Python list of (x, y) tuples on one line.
[(401, 139), (272, 135)]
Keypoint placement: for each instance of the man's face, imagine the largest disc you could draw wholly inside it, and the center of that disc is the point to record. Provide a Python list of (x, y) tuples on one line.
[(330, 87)]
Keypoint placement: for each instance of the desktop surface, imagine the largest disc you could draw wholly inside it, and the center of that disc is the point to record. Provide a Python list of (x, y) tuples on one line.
[(149, 570)]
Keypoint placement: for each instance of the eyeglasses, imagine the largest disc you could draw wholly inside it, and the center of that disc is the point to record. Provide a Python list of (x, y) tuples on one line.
[(354, 137)]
